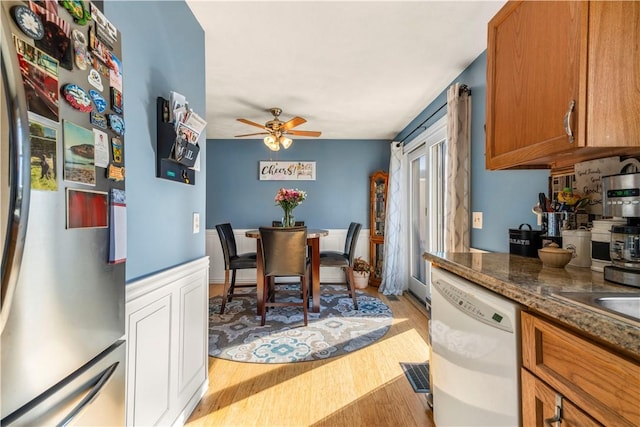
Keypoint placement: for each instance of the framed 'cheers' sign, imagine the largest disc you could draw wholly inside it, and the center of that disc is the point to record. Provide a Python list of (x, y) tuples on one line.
[(287, 171)]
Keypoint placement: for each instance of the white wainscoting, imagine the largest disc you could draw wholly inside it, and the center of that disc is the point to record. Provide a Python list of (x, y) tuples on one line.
[(333, 242), (167, 344)]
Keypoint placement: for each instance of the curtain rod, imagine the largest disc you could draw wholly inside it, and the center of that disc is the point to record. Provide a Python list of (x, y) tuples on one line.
[(463, 89), (421, 125)]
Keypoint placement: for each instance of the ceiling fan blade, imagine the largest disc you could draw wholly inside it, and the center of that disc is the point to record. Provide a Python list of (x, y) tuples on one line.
[(296, 121), (251, 134), (304, 132), (249, 122)]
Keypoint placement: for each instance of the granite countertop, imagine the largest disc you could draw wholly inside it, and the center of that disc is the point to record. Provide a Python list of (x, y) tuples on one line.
[(527, 282)]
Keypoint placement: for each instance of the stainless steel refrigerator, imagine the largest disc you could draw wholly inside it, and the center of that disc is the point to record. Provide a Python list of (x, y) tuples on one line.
[(62, 313)]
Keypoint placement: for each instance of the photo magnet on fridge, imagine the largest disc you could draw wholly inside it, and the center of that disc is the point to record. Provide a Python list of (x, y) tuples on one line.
[(39, 73), (116, 100), (43, 137), (56, 40)]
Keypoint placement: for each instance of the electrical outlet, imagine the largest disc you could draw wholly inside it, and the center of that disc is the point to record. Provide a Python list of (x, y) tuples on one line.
[(477, 220), (196, 222)]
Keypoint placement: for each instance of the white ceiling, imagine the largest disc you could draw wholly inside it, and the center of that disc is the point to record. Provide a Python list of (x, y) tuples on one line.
[(353, 69)]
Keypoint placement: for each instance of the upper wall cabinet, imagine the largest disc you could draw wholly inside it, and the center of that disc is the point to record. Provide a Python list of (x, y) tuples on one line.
[(563, 83)]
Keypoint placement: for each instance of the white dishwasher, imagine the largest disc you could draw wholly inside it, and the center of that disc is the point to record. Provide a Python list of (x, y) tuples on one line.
[(475, 354)]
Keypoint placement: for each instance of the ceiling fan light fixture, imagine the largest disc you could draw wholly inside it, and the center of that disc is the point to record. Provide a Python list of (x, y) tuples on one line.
[(286, 142), (271, 142), (276, 129)]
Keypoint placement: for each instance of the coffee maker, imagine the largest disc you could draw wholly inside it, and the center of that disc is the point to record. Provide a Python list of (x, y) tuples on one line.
[(621, 198)]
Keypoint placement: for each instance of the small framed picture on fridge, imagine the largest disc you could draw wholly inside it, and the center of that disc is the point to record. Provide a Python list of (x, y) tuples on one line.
[(87, 209)]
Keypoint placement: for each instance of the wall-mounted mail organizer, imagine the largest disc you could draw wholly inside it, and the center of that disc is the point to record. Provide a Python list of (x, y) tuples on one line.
[(166, 166)]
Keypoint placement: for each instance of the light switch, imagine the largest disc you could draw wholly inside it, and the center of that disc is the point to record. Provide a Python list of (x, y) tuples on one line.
[(196, 222)]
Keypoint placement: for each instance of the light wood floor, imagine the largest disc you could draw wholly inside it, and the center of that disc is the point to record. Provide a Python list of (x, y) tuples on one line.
[(363, 388)]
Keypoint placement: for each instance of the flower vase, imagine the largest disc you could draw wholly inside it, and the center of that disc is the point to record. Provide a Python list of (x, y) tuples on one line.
[(288, 220)]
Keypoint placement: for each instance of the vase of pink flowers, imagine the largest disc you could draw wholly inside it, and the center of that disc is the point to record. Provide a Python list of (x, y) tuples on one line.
[(288, 199)]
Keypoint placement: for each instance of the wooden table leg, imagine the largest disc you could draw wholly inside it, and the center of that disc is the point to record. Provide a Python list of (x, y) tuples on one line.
[(259, 277), (314, 246)]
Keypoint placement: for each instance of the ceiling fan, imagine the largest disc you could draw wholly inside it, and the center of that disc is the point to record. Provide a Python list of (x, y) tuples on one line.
[(276, 130)]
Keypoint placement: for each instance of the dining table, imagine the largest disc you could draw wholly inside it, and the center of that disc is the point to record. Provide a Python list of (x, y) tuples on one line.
[(313, 243)]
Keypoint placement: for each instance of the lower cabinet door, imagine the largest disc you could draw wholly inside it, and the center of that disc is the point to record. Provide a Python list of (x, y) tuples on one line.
[(539, 404)]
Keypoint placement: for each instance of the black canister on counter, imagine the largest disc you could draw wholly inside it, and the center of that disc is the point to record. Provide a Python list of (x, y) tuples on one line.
[(525, 242)]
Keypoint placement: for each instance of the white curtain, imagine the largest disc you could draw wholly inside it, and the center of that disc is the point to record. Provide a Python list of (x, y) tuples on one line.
[(456, 236), (393, 273)]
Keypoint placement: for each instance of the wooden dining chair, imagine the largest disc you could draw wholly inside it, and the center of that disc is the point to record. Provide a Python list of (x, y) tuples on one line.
[(344, 259), (284, 254), (232, 262)]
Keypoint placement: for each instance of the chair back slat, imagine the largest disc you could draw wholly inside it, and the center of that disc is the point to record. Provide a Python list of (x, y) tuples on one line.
[(284, 250)]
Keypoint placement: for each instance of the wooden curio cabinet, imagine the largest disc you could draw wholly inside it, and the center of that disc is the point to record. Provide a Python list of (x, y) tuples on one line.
[(377, 214)]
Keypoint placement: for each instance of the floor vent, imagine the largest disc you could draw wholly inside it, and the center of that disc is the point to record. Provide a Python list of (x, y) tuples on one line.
[(393, 298), (418, 376)]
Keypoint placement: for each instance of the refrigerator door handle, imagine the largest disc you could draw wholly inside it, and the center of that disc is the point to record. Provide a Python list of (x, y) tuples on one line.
[(19, 169), (95, 388), (90, 389)]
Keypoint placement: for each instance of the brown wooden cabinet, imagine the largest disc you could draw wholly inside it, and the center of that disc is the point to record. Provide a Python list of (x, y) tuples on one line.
[(377, 215), (540, 403), (562, 83), (593, 381)]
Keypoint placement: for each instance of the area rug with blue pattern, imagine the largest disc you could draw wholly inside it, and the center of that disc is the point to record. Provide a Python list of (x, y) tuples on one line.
[(338, 328)]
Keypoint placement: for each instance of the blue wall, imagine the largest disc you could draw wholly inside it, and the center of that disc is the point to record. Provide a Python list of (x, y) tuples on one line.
[(339, 195), (504, 197), (155, 61)]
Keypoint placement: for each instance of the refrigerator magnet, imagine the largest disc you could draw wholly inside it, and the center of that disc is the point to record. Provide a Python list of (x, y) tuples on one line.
[(105, 30), (102, 69), (115, 173), (116, 149), (95, 80), (87, 209), (43, 137), (115, 73), (40, 85), (116, 123), (116, 100), (98, 119), (28, 21), (77, 97), (100, 50), (98, 100), (79, 154), (101, 148), (81, 56), (78, 36), (78, 10)]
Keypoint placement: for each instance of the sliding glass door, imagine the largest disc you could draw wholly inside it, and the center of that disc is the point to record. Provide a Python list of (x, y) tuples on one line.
[(424, 158), (418, 237)]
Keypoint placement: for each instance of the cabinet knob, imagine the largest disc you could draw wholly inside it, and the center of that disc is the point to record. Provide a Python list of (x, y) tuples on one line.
[(567, 121)]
